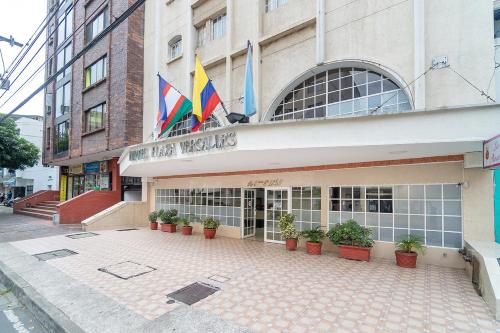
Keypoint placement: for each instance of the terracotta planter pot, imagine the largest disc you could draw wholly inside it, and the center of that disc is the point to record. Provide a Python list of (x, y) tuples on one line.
[(168, 227), (354, 252), (209, 233), (406, 259), (187, 230), (313, 248), (291, 244), (153, 225)]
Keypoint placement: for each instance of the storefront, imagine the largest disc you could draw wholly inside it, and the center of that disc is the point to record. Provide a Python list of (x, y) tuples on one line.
[(79, 178)]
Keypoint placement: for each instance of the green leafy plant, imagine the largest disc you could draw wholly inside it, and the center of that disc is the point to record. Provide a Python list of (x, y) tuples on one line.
[(183, 221), (286, 226), (153, 216), (315, 235), (350, 233), (411, 243), (168, 216), (15, 151), (210, 223)]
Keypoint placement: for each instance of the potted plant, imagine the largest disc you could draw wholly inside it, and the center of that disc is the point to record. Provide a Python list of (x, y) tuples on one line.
[(353, 240), (288, 231), (407, 248), (314, 236), (168, 220), (186, 228), (210, 226), (153, 217)]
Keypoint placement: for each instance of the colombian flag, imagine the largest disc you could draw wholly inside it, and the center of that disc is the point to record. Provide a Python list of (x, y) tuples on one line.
[(205, 98)]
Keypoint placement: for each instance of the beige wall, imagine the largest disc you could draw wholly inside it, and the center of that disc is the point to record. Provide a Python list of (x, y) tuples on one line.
[(285, 44), (477, 205), (125, 214)]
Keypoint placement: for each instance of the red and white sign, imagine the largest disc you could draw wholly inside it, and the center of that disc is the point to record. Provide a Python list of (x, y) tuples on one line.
[(491, 153)]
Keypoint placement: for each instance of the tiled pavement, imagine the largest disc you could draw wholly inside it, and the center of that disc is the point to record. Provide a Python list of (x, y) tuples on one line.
[(268, 289)]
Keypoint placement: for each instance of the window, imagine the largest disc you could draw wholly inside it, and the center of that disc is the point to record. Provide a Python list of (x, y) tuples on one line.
[(183, 126), (64, 26), (48, 103), (63, 99), (50, 66), (95, 72), (97, 25), (175, 47), (201, 34), (29, 189), (47, 138), (306, 206), (273, 4), (62, 137), (219, 26), (222, 203), (342, 92), (63, 57), (431, 211), (94, 117)]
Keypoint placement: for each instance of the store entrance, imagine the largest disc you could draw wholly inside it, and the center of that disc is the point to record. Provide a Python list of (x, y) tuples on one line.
[(253, 214)]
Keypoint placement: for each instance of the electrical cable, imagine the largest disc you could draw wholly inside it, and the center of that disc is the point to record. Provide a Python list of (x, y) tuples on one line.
[(3, 63), (129, 11), (488, 97)]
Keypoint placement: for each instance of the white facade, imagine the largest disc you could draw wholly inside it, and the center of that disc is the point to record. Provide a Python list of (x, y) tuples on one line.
[(38, 177)]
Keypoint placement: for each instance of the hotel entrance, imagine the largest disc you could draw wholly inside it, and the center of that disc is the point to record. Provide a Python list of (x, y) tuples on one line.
[(277, 204), (253, 214)]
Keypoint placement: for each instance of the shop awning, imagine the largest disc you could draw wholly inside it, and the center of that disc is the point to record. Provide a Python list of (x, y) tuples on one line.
[(291, 144)]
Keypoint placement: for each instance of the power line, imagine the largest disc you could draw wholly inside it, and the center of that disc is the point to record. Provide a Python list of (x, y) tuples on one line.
[(3, 63), (482, 92), (91, 44)]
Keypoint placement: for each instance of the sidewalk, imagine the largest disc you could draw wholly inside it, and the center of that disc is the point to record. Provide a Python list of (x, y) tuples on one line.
[(118, 281)]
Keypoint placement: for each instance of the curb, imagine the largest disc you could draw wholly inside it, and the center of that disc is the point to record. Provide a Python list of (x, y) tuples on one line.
[(49, 316)]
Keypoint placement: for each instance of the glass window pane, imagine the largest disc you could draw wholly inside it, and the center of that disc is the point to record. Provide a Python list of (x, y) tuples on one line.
[(416, 191), (417, 207), (386, 234), (452, 208), (401, 191), (434, 223), (453, 240), (400, 234), (451, 191), (433, 207), (434, 238), (433, 191), (452, 223), (417, 222), (400, 221)]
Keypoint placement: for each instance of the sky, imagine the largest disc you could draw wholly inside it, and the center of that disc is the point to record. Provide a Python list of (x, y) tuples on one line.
[(20, 18)]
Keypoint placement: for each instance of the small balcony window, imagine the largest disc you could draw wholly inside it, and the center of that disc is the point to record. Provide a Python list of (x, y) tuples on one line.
[(273, 4), (175, 47), (219, 27)]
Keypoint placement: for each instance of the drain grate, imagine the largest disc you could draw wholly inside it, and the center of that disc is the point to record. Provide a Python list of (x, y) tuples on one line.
[(219, 278), (82, 235), (193, 293), (128, 229), (54, 254), (127, 270)]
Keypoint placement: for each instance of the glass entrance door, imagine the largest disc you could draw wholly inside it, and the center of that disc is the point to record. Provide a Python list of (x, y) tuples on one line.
[(276, 205), (249, 213)]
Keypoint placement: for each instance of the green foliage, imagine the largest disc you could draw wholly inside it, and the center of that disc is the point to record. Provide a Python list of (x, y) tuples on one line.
[(410, 243), (168, 216), (286, 226), (153, 216), (350, 233), (315, 235), (15, 152), (210, 223), (183, 221)]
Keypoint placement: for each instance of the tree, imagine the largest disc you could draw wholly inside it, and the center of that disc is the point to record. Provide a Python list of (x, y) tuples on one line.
[(15, 152)]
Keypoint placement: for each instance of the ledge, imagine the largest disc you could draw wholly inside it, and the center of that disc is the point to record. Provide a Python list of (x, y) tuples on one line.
[(265, 40), (92, 86), (174, 59), (93, 132)]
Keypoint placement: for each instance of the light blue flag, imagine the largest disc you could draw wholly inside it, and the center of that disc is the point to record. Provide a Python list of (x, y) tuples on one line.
[(249, 108)]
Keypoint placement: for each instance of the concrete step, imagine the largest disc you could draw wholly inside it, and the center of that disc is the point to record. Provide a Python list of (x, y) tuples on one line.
[(52, 202), (33, 214), (42, 205), (43, 210)]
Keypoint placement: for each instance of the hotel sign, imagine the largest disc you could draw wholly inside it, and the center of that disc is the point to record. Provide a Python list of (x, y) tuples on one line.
[(164, 150), (491, 153)]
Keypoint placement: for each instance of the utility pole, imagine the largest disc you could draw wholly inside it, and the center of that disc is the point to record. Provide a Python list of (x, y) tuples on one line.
[(5, 83)]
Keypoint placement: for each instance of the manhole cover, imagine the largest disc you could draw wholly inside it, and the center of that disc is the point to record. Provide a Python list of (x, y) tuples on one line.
[(128, 229), (82, 235), (193, 293), (54, 254), (127, 269)]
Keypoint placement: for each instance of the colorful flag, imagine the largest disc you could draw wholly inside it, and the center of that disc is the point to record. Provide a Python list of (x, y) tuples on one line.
[(205, 98), (172, 106), (249, 108)]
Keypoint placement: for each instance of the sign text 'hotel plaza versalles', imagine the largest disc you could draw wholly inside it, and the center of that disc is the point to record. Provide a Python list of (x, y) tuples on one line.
[(176, 149)]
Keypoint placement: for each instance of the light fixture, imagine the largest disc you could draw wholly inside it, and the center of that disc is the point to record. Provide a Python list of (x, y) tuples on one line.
[(234, 117)]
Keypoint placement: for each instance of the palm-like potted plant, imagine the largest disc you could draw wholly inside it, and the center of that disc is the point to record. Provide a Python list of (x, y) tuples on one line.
[(288, 231), (210, 226), (353, 240), (186, 228), (167, 218), (407, 248), (314, 236), (153, 217)]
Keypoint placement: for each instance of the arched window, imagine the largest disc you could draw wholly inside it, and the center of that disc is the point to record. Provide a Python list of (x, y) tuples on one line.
[(341, 92), (175, 47), (183, 126)]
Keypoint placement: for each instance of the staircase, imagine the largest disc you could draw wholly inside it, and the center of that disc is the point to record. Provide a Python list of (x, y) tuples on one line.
[(43, 210)]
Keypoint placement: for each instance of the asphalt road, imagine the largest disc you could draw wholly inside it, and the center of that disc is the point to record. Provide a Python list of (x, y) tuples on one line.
[(14, 317)]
